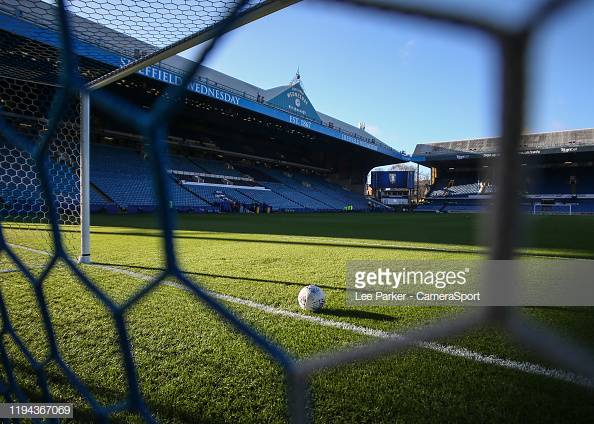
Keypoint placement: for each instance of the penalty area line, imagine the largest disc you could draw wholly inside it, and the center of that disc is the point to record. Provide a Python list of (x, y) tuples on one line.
[(460, 352)]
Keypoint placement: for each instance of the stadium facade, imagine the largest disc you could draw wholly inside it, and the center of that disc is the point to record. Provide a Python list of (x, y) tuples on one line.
[(557, 173), (232, 144)]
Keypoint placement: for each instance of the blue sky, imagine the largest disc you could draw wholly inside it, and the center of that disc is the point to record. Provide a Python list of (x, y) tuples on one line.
[(411, 81)]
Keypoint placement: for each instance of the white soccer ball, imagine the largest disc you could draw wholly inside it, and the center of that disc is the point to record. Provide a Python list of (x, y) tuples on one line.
[(311, 298)]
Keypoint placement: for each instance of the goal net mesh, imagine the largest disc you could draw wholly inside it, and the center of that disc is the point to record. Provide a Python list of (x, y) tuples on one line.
[(24, 210), (41, 81)]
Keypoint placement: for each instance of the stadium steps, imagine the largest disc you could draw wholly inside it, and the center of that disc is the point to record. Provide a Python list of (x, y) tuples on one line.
[(211, 195), (285, 197), (104, 195), (297, 186), (306, 195), (316, 198), (331, 194), (192, 193), (338, 203), (271, 198), (301, 202), (318, 184), (377, 203), (244, 199)]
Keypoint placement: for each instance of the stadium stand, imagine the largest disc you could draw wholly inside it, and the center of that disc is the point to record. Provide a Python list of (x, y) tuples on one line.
[(584, 206), (101, 203), (324, 195), (272, 199), (124, 177), (332, 194), (557, 178), (181, 163), (128, 186), (216, 167), (464, 207), (227, 133), (121, 179), (297, 196), (430, 207)]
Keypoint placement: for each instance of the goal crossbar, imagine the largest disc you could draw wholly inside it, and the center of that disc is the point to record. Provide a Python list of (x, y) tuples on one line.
[(254, 13)]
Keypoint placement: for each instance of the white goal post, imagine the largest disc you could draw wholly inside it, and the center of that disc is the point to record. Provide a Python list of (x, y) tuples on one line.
[(263, 9), (85, 184), (551, 208)]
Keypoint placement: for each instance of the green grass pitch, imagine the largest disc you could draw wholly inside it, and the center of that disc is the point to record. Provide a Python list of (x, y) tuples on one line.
[(194, 368)]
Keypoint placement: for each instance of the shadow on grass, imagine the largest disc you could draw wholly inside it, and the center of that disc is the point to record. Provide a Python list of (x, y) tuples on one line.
[(302, 243), (579, 309), (338, 313), (573, 234), (355, 313), (163, 410), (438, 229), (220, 276), (576, 254)]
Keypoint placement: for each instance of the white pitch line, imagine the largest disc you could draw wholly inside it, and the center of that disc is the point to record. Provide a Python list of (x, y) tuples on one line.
[(30, 249), (11, 270), (8, 271), (525, 367)]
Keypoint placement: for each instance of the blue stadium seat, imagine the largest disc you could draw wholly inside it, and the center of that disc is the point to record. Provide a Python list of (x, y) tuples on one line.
[(125, 177)]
